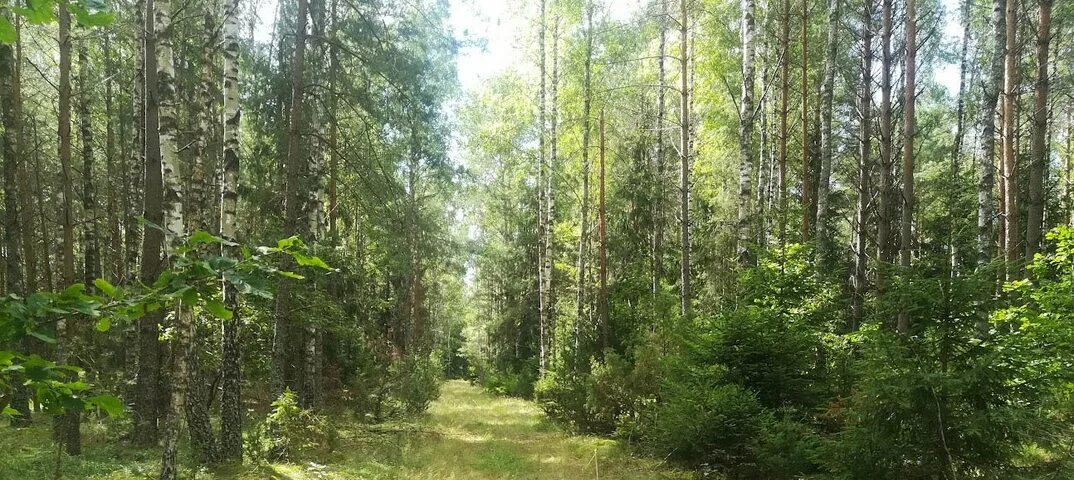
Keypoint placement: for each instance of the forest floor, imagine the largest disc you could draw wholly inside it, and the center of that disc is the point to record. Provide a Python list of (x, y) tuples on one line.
[(466, 434)]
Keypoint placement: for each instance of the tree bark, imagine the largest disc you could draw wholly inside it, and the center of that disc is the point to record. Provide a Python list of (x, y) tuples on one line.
[(285, 372), (1011, 224), (827, 149), (806, 194), (603, 236), (986, 170), (148, 396), (685, 144), (660, 193), (231, 411), (909, 131), (583, 225), (745, 134), (865, 174), (883, 228), (66, 427), (1039, 142)]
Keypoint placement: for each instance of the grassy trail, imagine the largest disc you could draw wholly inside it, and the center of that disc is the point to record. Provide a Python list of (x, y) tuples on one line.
[(467, 434), (480, 436)]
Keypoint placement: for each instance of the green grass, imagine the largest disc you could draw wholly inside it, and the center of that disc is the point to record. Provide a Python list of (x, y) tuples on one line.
[(467, 434)]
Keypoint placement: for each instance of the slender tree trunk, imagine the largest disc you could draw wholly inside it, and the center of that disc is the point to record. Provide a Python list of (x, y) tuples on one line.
[(806, 174), (550, 198), (115, 239), (986, 171), (784, 92), (11, 152), (91, 267), (542, 223), (1039, 142), (745, 133), (660, 193), (909, 200), (196, 219), (1011, 229), (685, 144), (865, 174), (603, 236), (883, 228), (231, 411), (294, 199), (827, 149), (66, 427), (583, 226), (175, 229), (148, 397), (960, 132)]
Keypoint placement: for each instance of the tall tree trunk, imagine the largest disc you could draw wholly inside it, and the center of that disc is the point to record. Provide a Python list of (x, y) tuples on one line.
[(960, 133), (196, 205), (784, 92), (827, 149), (91, 267), (113, 215), (602, 229), (231, 411), (285, 372), (174, 229), (986, 170), (315, 202), (11, 152), (1039, 142), (583, 226), (1011, 230), (660, 193), (745, 134), (550, 198), (806, 174), (909, 123), (148, 396), (685, 144), (883, 228), (66, 427), (865, 174), (542, 220)]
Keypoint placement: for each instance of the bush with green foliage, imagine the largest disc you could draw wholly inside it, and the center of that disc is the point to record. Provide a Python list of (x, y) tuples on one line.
[(290, 431)]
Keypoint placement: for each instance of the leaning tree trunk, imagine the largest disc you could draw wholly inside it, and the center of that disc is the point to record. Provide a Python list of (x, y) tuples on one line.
[(1038, 165)]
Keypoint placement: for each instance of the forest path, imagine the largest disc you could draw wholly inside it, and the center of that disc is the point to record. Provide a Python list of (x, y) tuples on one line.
[(475, 435)]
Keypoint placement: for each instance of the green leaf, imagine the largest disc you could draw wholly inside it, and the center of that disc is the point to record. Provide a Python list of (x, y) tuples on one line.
[(43, 337), (218, 309), (37, 12), (7, 31), (105, 287), (310, 261), (109, 404), (104, 324), (293, 275), (202, 237)]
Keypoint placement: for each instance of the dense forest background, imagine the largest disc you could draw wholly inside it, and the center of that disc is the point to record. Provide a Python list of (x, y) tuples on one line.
[(776, 239)]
